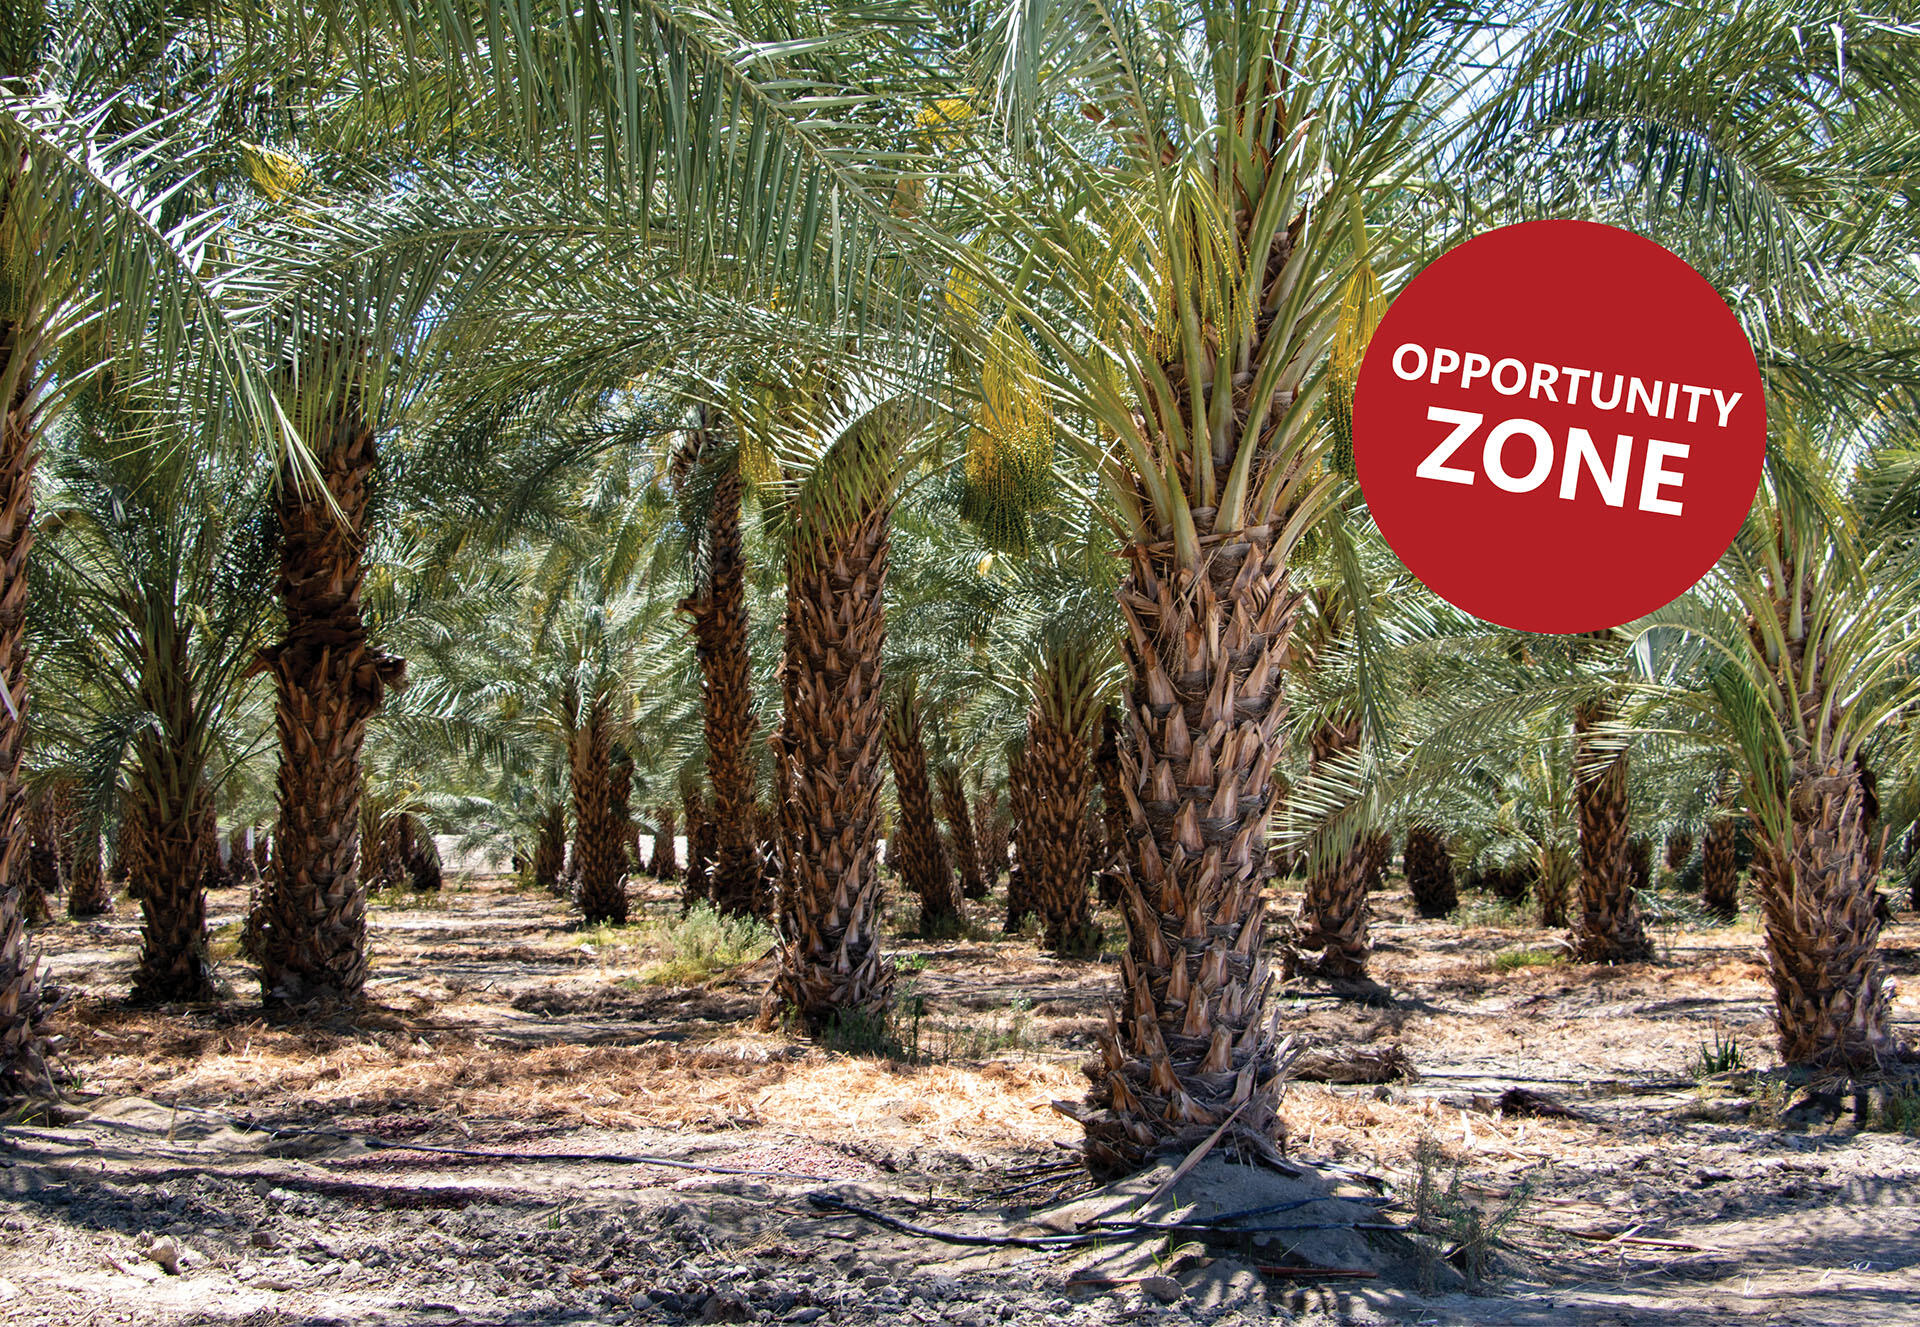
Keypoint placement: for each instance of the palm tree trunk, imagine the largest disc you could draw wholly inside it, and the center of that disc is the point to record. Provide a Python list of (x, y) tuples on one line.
[(1679, 849), (991, 827), (166, 835), (1817, 903), (550, 848), (1111, 856), (829, 747), (1554, 873), (620, 807), (597, 850), (1330, 937), (1430, 872), (24, 1010), (699, 879), (240, 853), (720, 635), (966, 850), (921, 857), (1019, 812), (329, 679), (381, 866), (1719, 870), (1607, 928), (43, 858), (1052, 834), (88, 894), (1189, 1049), (662, 863)]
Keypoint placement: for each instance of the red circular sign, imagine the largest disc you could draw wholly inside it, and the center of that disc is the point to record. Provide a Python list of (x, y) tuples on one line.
[(1559, 426)]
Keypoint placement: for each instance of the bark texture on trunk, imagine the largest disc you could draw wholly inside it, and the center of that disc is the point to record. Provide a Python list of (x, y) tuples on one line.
[(662, 863), (1679, 849), (330, 679), (24, 1008), (919, 855), (620, 807), (598, 852), (1330, 934), (166, 860), (1055, 861), (43, 857), (1823, 936), (1110, 846), (88, 894), (240, 856), (1190, 1045), (966, 850), (1430, 872), (382, 865), (700, 840), (1019, 812), (992, 827), (719, 614), (830, 748), (1719, 870), (420, 855), (1555, 871), (1606, 926), (550, 848)]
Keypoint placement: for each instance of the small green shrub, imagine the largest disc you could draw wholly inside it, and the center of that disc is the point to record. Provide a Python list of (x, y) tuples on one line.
[(1508, 960), (909, 1033), (1490, 910), (1899, 1111), (1769, 1103), (703, 943), (1721, 1057), (1448, 1226)]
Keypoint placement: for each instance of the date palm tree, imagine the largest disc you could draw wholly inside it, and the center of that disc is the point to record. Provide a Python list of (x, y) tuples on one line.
[(1799, 655), (918, 850), (836, 524), (155, 567), (711, 486), (105, 218), (1179, 308)]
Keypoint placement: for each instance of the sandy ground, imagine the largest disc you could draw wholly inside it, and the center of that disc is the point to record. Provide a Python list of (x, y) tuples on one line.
[(265, 1158)]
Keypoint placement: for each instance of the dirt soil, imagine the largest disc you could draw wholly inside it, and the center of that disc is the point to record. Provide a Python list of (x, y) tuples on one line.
[(222, 1170)]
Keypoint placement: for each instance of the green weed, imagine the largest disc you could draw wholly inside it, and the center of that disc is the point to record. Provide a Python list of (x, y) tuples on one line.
[(704, 943), (910, 1033), (1491, 910), (1899, 1111), (1453, 1228), (1721, 1057), (1509, 960)]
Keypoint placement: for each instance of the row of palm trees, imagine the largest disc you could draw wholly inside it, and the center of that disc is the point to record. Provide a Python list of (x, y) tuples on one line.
[(543, 317)]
